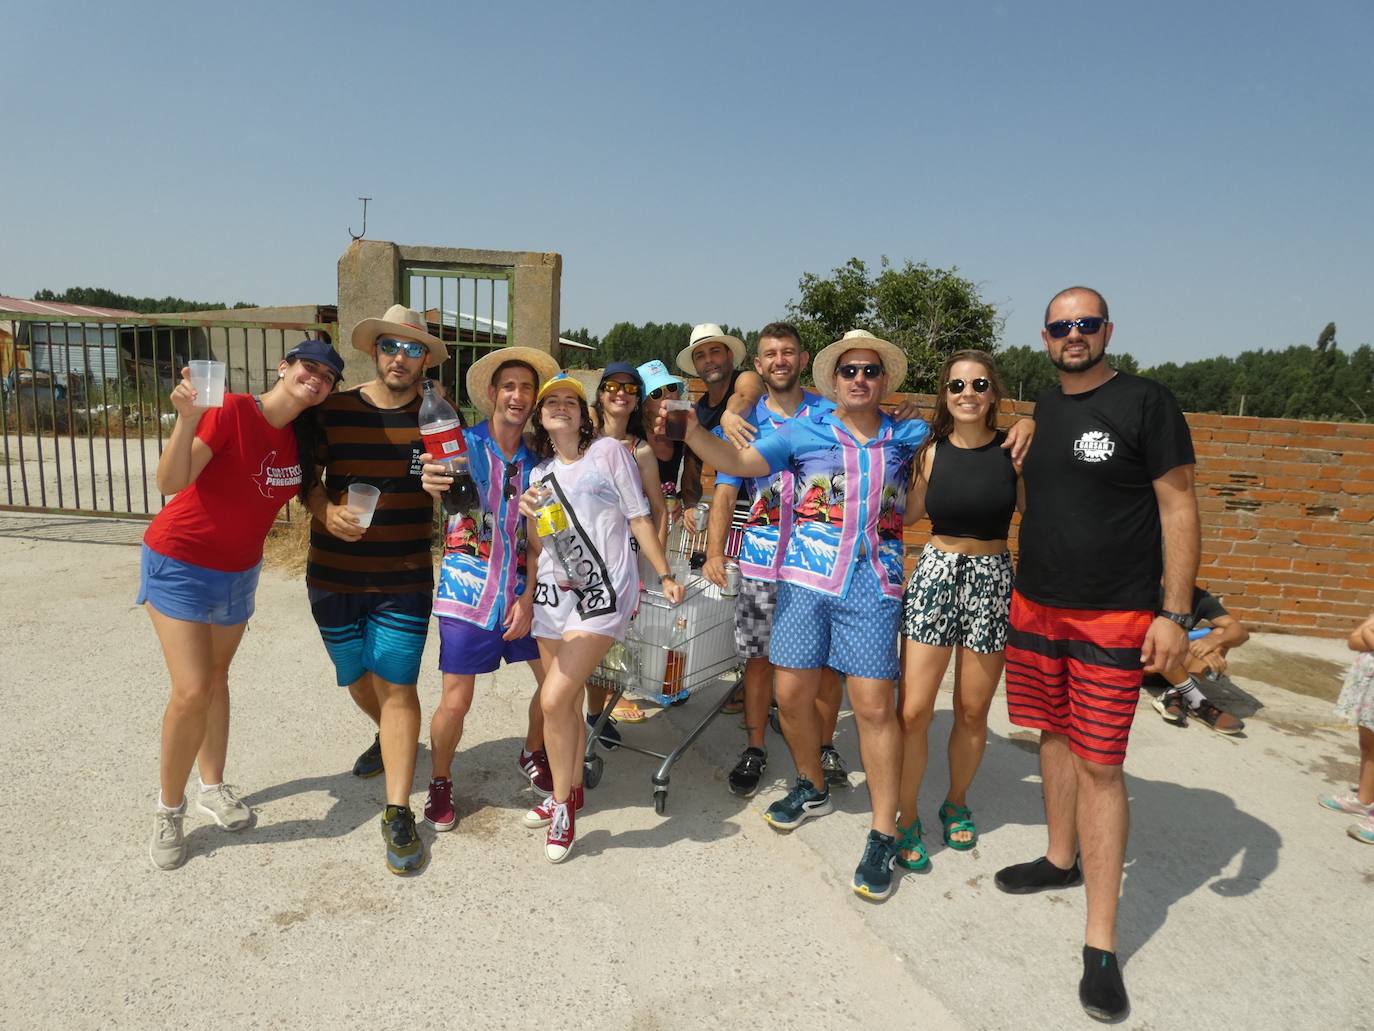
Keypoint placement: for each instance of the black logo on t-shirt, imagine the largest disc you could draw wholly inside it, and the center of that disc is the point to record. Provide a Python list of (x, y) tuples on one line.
[(1094, 446)]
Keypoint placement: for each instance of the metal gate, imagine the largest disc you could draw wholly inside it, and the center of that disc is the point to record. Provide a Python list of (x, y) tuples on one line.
[(469, 307), (85, 408)]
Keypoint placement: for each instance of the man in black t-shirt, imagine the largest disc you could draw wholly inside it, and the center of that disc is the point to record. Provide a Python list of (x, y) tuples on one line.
[(1110, 513)]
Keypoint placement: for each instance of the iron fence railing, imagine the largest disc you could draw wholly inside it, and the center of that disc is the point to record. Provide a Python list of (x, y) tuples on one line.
[(470, 308), (84, 405)]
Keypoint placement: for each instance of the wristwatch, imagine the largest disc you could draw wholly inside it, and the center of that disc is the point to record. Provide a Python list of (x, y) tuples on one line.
[(1185, 620)]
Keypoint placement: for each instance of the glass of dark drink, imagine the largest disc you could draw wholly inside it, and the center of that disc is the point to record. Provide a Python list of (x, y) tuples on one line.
[(676, 418)]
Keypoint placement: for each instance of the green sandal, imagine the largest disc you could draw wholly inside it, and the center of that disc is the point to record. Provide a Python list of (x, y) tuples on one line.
[(957, 818), (909, 840)]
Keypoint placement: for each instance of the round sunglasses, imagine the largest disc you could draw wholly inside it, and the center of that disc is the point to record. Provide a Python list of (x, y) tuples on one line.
[(979, 384)]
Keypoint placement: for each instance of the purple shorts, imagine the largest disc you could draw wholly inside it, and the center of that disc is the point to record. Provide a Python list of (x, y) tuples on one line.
[(467, 650)]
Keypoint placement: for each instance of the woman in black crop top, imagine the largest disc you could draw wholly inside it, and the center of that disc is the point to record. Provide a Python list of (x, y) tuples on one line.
[(959, 595)]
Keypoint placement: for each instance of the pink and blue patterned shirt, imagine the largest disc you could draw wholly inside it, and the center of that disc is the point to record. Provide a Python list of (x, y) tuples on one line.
[(848, 498), (483, 569)]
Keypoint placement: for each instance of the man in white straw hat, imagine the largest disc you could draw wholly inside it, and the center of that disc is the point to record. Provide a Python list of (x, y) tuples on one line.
[(483, 604), (839, 599), (371, 589), (715, 356)]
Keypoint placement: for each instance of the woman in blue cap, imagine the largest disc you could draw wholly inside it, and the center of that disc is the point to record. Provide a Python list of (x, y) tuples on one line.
[(232, 469)]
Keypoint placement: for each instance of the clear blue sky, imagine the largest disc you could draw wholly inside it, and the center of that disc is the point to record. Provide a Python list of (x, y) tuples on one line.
[(1206, 165)]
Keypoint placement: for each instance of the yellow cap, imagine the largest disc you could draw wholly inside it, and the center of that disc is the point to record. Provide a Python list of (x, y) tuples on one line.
[(563, 381)]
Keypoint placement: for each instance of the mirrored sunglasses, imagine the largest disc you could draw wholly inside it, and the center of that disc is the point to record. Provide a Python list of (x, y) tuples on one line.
[(614, 386), (389, 346)]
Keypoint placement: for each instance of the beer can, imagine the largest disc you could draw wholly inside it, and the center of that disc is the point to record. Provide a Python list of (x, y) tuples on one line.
[(732, 576), (701, 515)]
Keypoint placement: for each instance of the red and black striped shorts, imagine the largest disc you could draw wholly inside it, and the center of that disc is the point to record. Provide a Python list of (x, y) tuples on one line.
[(1076, 672)]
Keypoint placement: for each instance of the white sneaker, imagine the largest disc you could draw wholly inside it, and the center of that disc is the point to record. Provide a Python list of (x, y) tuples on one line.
[(168, 847), (225, 807)]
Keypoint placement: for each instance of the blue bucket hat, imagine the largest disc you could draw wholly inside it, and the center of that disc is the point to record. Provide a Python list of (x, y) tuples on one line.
[(655, 375), (318, 351)]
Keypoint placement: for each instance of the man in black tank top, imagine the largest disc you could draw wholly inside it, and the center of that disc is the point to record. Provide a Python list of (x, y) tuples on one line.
[(715, 356)]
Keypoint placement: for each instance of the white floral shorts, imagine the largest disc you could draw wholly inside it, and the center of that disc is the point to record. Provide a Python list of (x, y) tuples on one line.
[(958, 599)]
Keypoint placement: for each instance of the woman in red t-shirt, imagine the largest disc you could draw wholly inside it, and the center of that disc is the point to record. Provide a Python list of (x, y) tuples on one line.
[(231, 469)]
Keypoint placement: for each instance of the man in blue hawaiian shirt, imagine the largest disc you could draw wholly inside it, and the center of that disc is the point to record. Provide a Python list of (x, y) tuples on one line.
[(839, 599), (483, 608)]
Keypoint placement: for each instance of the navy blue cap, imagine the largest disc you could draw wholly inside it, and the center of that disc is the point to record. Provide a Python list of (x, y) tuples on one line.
[(621, 369), (318, 351)]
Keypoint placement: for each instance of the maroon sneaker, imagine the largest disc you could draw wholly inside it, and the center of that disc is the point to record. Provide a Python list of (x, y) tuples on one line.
[(542, 814), (563, 819), (535, 766), (439, 812)]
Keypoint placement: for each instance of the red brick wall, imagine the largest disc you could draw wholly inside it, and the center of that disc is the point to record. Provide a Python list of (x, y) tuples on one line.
[(1287, 511)]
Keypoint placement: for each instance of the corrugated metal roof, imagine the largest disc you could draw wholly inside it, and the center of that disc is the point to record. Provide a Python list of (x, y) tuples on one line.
[(69, 312)]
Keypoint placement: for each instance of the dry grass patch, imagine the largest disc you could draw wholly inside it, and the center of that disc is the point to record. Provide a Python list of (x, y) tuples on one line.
[(286, 546)]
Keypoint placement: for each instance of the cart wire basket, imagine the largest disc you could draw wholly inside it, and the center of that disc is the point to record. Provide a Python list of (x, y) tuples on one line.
[(669, 652)]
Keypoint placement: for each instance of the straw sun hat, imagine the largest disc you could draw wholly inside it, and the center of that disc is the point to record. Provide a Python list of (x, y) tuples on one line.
[(823, 365), (404, 324), (481, 372)]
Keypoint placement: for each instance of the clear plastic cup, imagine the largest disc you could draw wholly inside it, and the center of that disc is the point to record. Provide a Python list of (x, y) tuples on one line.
[(362, 502), (207, 379), (675, 426)]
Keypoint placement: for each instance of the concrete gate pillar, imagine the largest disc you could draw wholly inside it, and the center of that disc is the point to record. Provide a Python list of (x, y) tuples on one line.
[(370, 274)]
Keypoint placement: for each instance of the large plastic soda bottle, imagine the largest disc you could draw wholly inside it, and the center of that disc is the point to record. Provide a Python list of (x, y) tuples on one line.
[(441, 428), (551, 523)]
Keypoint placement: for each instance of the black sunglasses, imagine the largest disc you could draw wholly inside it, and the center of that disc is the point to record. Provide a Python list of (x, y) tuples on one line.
[(658, 392), (980, 385), (1087, 327), (508, 481), (871, 370), (614, 386), (389, 346)]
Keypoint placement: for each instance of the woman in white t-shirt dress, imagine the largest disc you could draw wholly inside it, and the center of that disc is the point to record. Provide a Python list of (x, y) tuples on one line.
[(599, 487)]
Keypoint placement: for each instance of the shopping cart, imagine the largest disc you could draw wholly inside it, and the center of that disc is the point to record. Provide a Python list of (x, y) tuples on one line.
[(669, 652)]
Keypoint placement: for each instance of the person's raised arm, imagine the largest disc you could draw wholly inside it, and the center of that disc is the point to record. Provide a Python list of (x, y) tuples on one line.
[(734, 421), (1166, 643), (186, 455), (720, 454)]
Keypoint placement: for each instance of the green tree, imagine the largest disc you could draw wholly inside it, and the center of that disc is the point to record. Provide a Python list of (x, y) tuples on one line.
[(927, 312), (99, 297)]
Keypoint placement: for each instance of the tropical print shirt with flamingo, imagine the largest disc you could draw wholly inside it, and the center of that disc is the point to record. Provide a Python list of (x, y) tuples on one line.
[(848, 498), (764, 541), (483, 570)]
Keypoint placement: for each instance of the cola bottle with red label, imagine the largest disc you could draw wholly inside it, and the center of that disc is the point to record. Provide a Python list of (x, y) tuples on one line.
[(441, 429)]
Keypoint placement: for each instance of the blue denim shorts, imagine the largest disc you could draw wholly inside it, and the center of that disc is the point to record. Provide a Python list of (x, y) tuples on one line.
[(195, 594), (855, 635)]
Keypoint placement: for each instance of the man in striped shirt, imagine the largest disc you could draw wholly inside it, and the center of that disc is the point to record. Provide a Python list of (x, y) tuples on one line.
[(371, 587)]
